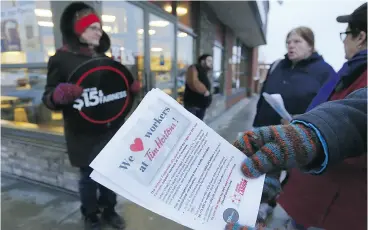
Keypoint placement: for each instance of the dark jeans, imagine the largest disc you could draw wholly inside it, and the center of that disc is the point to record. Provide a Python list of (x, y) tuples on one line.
[(196, 111), (88, 194)]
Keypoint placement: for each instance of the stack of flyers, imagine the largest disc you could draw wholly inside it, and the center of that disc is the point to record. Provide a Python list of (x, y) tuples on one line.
[(168, 161)]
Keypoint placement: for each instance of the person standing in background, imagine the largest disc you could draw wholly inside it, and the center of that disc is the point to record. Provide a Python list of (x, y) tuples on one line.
[(333, 195), (197, 94), (84, 41), (356, 60), (312, 144), (297, 78), (342, 203)]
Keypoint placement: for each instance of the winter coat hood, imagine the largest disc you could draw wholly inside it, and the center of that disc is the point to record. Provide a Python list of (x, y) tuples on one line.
[(70, 38)]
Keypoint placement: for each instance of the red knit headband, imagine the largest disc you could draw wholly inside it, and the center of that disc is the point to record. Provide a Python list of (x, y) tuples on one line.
[(81, 24)]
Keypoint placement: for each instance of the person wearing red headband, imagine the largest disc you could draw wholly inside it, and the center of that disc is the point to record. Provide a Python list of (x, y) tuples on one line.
[(85, 42)]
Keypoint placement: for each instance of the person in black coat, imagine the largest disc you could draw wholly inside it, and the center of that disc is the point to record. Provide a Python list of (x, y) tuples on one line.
[(197, 93), (83, 102)]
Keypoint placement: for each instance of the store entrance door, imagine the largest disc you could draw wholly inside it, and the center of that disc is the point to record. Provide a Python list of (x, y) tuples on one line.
[(160, 68)]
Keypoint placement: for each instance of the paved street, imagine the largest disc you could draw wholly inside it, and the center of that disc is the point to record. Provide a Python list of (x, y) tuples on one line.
[(28, 206)]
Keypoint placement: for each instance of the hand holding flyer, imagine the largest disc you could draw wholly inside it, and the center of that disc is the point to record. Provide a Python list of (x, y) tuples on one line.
[(168, 161)]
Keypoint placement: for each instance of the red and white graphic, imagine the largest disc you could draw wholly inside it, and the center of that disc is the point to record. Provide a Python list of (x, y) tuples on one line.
[(240, 187), (239, 192), (137, 146)]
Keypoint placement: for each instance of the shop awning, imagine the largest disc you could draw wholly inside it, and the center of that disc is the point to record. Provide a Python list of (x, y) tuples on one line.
[(247, 19)]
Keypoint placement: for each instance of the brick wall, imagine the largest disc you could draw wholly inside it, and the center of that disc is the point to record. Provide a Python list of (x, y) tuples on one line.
[(229, 42), (209, 29), (254, 68), (206, 29), (42, 163)]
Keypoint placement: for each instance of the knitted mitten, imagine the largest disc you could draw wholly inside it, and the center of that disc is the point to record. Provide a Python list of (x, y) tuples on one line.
[(135, 87), (66, 93), (272, 185), (275, 148)]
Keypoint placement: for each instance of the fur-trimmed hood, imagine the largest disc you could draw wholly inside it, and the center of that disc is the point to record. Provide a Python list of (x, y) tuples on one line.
[(67, 28)]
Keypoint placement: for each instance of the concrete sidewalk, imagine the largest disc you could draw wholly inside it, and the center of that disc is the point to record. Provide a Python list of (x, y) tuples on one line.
[(28, 206)]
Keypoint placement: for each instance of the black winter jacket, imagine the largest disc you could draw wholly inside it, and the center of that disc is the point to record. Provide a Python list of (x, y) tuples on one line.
[(84, 139)]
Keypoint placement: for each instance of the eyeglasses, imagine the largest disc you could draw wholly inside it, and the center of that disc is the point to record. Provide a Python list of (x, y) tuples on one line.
[(95, 28), (344, 34)]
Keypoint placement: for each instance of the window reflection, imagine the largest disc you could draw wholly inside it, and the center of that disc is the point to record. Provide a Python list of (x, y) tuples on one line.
[(240, 65), (161, 51), (123, 22), (183, 10), (26, 32), (22, 89), (217, 70), (165, 5), (245, 66), (235, 65), (185, 59), (21, 101)]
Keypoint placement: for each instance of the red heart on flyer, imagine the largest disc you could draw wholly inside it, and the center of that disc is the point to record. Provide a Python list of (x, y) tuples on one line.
[(137, 145)]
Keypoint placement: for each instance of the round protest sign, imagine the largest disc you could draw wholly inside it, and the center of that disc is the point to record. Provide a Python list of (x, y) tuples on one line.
[(106, 95)]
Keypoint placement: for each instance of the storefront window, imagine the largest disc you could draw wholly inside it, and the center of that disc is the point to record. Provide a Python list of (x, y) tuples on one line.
[(235, 65), (245, 66), (26, 32), (183, 10), (185, 53), (123, 22), (162, 53), (22, 89), (217, 70), (165, 5), (247, 55), (21, 101)]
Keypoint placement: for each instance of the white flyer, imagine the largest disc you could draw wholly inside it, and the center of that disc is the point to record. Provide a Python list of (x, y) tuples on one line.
[(118, 190), (168, 161), (277, 103)]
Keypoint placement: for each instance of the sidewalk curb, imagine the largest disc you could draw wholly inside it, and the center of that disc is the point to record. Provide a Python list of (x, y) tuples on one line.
[(38, 183), (51, 187)]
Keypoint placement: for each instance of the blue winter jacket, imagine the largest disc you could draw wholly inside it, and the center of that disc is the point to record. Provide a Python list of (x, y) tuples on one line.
[(297, 85), (350, 66)]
